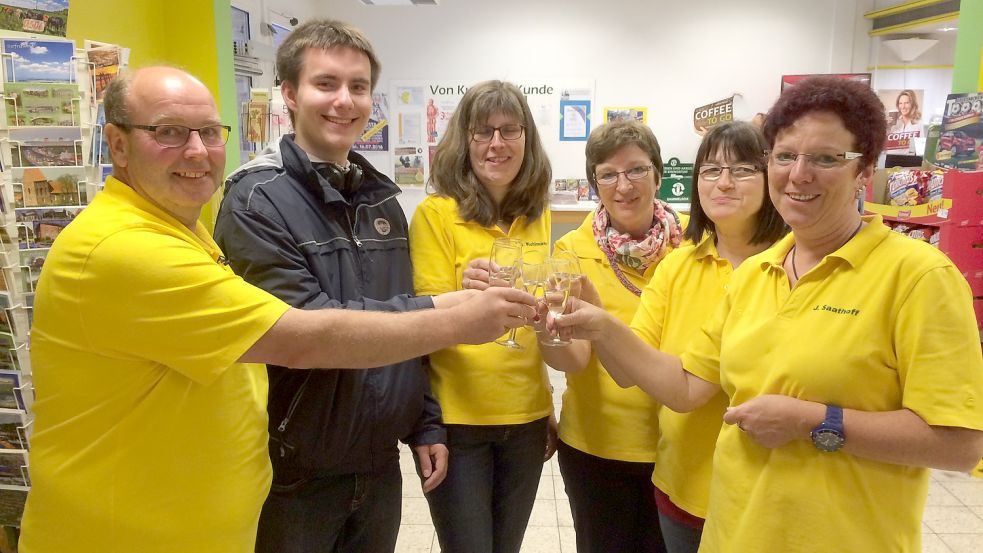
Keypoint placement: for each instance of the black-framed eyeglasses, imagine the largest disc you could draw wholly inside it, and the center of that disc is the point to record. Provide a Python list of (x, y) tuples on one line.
[(819, 160), (740, 172), (175, 136), (609, 178), (507, 132)]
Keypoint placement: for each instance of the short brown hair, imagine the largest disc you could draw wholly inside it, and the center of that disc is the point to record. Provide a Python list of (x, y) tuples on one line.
[(451, 174), (607, 139), (322, 34), (742, 143), (859, 109)]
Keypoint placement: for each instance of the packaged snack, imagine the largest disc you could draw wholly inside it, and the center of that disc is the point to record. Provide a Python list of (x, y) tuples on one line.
[(902, 188)]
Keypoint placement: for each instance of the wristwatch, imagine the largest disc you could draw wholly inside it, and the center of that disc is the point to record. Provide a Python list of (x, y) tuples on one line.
[(829, 436)]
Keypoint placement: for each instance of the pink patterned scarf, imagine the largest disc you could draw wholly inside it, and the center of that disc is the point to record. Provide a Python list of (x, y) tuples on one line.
[(639, 254)]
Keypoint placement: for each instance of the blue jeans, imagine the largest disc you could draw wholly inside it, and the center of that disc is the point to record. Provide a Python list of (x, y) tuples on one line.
[(357, 513), (493, 472), (612, 503), (679, 537)]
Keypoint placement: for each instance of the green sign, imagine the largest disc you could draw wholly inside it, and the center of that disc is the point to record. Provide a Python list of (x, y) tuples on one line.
[(677, 182)]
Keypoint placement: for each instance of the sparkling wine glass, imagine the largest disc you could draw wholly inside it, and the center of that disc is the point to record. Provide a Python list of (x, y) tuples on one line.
[(562, 274), (534, 276), (505, 262)]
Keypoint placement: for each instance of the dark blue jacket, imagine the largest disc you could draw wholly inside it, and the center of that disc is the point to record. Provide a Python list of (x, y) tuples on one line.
[(286, 230)]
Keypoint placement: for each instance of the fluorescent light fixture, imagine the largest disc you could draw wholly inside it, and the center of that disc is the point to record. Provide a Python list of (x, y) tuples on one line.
[(908, 49)]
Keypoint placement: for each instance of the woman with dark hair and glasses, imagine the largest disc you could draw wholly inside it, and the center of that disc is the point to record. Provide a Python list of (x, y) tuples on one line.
[(608, 434), (491, 177), (849, 354), (731, 219)]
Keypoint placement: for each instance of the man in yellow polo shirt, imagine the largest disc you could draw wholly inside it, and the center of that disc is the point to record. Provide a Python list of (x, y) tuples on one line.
[(151, 427)]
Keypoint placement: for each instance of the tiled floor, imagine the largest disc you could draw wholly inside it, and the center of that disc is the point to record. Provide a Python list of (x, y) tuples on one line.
[(953, 521)]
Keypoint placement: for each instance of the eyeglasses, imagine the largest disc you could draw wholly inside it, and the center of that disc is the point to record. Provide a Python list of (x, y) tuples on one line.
[(742, 172), (175, 136), (634, 174), (507, 132), (820, 161)]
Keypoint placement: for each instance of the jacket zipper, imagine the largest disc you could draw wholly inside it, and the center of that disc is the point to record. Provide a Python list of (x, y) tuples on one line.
[(290, 410), (351, 227)]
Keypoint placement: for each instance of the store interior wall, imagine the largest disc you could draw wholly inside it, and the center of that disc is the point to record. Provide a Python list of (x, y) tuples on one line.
[(192, 34), (668, 55)]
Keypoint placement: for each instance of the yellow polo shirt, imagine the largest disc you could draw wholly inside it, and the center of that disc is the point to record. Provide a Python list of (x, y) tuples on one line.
[(881, 324), (487, 384), (149, 436), (686, 288), (598, 416)]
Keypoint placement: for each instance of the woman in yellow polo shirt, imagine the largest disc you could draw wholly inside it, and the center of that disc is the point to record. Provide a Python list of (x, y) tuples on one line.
[(608, 434), (849, 354), (491, 178), (731, 219)]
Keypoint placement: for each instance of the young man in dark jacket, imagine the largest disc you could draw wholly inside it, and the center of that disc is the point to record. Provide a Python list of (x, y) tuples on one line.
[(317, 226)]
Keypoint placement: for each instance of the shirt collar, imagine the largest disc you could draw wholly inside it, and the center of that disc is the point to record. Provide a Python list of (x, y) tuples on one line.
[(853, 253), (123, 192), (706, 248)]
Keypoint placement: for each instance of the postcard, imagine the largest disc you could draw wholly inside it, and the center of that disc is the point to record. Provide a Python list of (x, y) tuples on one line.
[(46, 61), (66, 154), (6, 320), (38, 227), (11, 396), (48, 186), (30, 16), (105, 59), (13, 429), (12, 499), (42, 104), (13, 467), (31, 262), (100, 145)]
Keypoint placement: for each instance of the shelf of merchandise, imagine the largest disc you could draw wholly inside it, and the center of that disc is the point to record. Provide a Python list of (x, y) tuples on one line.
[(958, 215)]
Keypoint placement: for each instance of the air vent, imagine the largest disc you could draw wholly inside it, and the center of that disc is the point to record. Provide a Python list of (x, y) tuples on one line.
[(889, 19)]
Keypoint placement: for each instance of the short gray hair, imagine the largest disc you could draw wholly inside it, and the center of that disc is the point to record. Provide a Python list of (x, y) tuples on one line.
[(117, 112)]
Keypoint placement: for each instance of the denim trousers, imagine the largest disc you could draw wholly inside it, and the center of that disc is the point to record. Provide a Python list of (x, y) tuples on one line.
[(612, 502), (679, 537), (493, 472), (347, 513)]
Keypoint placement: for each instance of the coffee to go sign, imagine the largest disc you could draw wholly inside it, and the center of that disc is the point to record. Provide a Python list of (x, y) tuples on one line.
[(709, 115)]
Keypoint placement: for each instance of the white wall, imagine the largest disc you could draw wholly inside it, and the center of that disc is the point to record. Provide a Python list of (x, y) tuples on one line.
[(669, 55)]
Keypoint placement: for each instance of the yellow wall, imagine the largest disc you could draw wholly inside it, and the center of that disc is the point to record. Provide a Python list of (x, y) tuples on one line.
[(193, 34)]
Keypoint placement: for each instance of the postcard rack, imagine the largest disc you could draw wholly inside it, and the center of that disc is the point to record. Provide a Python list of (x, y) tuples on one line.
[(52, 155)]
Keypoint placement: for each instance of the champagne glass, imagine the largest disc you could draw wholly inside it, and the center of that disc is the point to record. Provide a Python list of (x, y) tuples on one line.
[(562, 274), (574, 269), (534, 276), (505, 263)]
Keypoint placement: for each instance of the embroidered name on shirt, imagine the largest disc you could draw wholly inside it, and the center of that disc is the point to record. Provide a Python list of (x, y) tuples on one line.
[(837, 310)]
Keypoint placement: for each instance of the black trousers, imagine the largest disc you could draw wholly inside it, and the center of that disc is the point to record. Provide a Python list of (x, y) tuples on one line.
[(613, 503)]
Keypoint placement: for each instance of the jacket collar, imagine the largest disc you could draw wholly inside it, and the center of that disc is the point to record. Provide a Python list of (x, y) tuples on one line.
[(375, 186)]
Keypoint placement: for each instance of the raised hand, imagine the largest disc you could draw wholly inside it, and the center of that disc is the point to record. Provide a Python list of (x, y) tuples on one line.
[(476, 275), (581, 320), (488, 314)]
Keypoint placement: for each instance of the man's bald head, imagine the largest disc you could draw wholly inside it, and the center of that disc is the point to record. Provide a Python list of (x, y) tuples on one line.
[(121, 89)]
